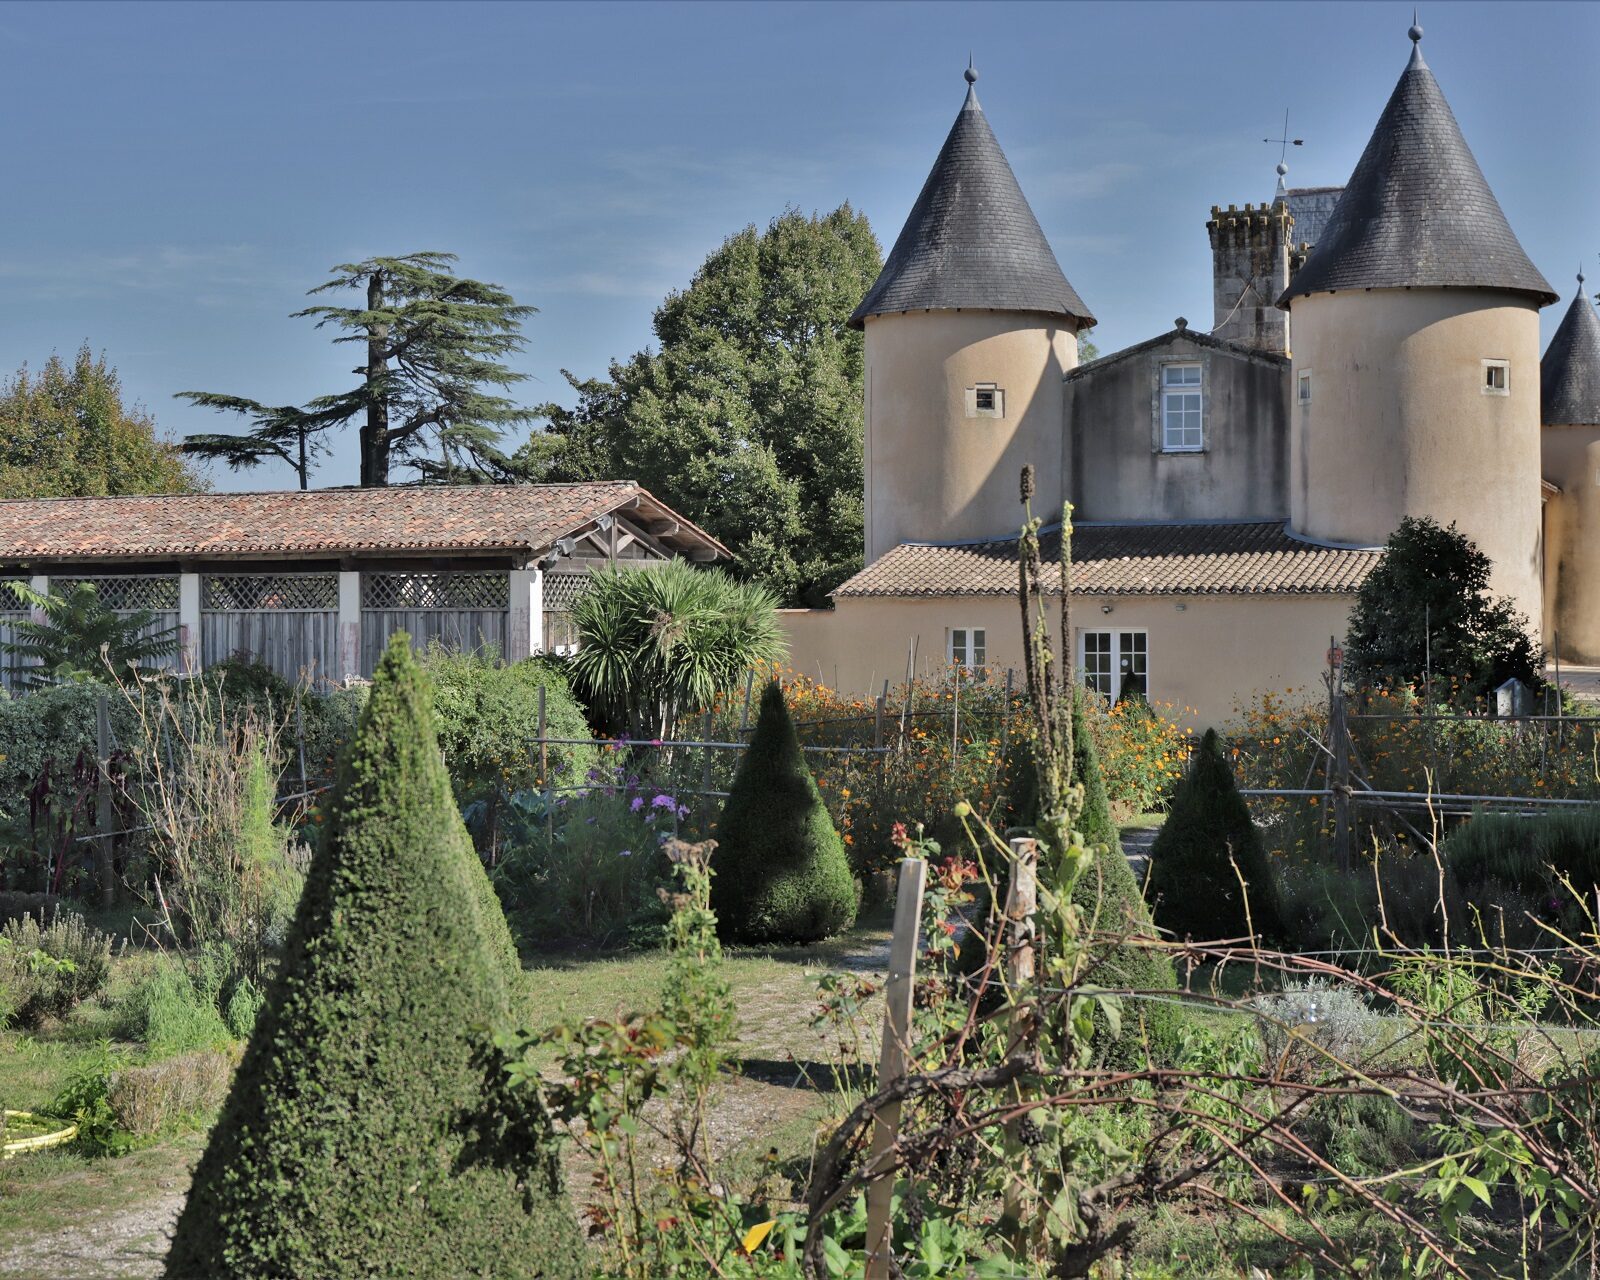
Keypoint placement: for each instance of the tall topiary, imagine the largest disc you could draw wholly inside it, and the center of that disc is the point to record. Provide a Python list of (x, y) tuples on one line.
[(362, 1135), (1194, 882), (781, 870)]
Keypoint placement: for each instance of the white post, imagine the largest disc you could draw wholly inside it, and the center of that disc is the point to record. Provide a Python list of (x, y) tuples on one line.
[(189, 622), (349, 625), (525, 621), (40, 582)]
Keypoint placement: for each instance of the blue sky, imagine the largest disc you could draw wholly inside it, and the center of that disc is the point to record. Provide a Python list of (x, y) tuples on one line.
[(179, 175)]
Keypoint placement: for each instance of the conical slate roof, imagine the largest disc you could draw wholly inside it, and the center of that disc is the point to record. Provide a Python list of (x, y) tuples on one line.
[(1417, 212), (971, 239), (1569, 374)]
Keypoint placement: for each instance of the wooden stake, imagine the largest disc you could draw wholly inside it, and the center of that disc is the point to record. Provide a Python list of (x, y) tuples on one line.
[(892, 1061), (1022, 901), (544, 769), (103, 814)]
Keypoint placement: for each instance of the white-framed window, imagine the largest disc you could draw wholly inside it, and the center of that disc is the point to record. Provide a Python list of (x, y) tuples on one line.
[(1497, 377), (1304, 384), (1115, 662), (1180, 409), (967, 647), (986, 400)]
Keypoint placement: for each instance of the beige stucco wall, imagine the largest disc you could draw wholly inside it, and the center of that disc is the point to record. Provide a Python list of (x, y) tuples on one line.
[(1116, 468), (934, 474), (1572, 543), (1208, 654), (1398, 423)]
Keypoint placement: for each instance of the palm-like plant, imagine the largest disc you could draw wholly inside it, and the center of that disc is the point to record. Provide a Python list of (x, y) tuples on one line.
[(656, 641), (76, 638)]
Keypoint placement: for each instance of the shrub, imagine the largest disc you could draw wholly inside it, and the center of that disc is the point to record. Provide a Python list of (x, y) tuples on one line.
[(1207, 833), (50, 971), (1532, 854), (1305, 1018), (487, 715), (781, 870), (1427, 605), (660, 641), (590, 872), (168, 1013), (150, 1100), (84, 1099), (354, 1130)]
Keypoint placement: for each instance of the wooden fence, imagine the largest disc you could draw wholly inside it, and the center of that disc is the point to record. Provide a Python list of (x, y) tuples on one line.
[(288, 620), (461, 610)]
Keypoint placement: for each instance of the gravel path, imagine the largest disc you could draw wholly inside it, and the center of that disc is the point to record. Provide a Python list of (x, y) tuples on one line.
[(129, 1244)]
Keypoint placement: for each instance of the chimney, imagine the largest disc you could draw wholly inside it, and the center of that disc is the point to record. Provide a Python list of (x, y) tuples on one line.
[(1250, 270)]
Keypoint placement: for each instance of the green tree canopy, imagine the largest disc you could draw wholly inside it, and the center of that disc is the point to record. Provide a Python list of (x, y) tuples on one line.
[(366, 1133), (429, 397), (65, 433), (1428, 604), (748, 418)]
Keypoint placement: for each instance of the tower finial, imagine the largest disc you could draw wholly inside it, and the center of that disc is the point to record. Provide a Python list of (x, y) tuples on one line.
[(1580, 277), (970, 75), (1416, 31)]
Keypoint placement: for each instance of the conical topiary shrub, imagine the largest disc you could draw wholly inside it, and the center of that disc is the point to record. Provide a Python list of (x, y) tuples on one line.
[(360, 1137), (1195, 886), (781, 870)]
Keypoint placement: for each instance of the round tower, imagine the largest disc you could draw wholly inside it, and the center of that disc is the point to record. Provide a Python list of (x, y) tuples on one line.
[(969, 330), (1570, 408), (1415, 336)]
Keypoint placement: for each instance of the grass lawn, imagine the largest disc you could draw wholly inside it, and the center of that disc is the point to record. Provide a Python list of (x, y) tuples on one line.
[(62, 1215)]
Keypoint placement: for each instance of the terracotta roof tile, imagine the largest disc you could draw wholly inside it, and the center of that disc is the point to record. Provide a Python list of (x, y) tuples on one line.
[(320, 521), (1114, 560)]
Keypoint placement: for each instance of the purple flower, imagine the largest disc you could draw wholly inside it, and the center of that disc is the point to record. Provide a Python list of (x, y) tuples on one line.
[(626, 853), (662, 802), (683, 811), (638, 803)]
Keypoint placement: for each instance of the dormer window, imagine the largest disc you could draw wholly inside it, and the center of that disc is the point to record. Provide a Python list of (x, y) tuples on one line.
[(1496, 377), (986, 400), (1181, 409)]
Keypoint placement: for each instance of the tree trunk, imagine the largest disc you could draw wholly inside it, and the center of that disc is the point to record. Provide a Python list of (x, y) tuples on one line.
[(375, 431)]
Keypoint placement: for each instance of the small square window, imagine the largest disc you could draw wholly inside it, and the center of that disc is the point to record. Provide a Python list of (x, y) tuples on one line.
[(986, 400), (1305, 388), (1496, 377), (967, 647)]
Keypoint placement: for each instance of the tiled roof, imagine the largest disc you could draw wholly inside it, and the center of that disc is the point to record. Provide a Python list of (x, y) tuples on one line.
[(1569, 374), (322, 521), (1417, 212), (1258, 558), (971, 239)]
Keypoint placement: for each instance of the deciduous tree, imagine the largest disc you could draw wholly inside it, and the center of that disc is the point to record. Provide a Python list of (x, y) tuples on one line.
[(65, 433), (748, 419)]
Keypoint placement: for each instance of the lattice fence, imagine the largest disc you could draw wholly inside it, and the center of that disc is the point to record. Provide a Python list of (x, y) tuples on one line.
[(464, 611), (560, 591), (10, 612), (125, 593), (290, 621)]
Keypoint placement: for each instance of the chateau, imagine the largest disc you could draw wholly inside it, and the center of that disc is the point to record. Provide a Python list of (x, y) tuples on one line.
[(1373, 354)]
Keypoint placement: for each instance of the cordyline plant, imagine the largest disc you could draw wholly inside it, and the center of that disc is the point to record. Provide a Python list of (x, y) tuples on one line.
[(660, 641)]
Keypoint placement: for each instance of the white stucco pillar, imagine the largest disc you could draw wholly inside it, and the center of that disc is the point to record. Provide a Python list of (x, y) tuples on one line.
[(525, 621), (41, 583), (189, 622), (349, 625)]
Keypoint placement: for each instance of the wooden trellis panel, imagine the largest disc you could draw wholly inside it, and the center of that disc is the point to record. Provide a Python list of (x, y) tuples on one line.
[(560, 590), (126, 593), (465, 611), (290, 621), (9, 613)]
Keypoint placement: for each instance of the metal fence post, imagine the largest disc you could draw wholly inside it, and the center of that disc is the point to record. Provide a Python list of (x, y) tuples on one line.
[(892, 1061), (544, 770)]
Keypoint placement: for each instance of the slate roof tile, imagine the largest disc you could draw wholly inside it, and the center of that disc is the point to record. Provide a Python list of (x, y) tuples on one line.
[(1255, 558), (1569, 374), (971, 239), (1417, 212)]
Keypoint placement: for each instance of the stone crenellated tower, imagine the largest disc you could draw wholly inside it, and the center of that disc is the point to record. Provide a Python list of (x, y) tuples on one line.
[(1415, 384), (1250, 251), (1570, 396), (969, 329)]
